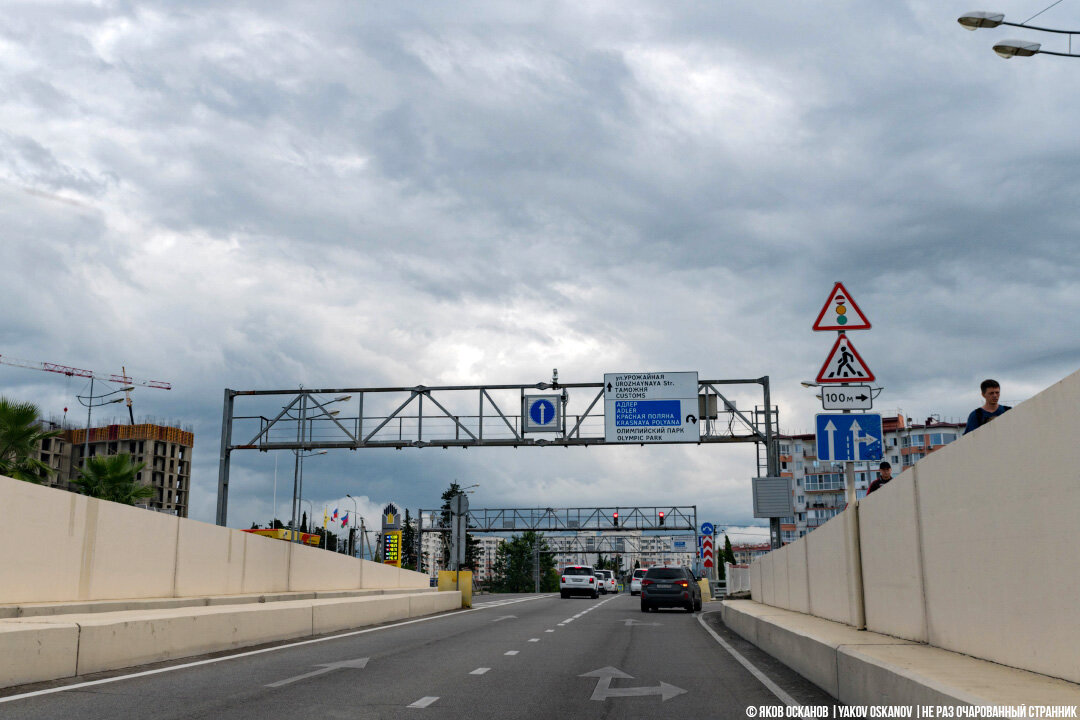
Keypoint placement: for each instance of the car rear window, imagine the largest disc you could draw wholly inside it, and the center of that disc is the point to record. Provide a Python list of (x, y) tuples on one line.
[(578, 571), (639, 573), (665, 574)]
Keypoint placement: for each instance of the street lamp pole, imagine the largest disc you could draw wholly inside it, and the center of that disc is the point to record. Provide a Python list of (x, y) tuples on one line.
[(88, 401), (355, 513)]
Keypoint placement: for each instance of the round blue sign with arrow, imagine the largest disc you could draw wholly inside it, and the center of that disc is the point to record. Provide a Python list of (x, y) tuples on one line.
[(706, 528), (542, 412)]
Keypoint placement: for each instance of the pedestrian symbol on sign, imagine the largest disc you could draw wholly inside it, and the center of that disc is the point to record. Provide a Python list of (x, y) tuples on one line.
[(844, 365)]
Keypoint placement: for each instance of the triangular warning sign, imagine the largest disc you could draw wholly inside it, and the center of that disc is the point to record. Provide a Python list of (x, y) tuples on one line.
[(844, 365), (841, 312)]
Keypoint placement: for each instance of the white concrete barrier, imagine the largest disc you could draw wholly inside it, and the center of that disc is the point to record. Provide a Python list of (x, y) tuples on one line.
[(97, 550), (968, 551)]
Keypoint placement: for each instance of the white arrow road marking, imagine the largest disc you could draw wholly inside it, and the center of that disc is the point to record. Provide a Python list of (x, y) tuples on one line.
[(505, 617), (629, 622), (829, 430), (604, 690), (358, 664), (424, 702)]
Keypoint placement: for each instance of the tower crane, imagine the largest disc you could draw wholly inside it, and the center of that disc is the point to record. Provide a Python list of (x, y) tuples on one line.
[(122, 378)]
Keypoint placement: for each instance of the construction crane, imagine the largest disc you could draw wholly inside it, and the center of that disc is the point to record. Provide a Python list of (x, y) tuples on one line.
[(123, 378)]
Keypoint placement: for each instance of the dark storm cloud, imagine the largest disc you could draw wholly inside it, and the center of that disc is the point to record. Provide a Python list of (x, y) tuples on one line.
[(340, 195)]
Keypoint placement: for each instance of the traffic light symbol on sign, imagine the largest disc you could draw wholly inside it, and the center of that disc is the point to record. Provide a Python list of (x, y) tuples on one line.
[(841, 312)]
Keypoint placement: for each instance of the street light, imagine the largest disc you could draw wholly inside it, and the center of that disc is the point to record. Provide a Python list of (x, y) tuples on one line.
[(88, 402), (1014, 48), (298, 465)]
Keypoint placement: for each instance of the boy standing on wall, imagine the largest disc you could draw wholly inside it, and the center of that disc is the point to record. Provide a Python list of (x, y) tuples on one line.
[(991, 392)]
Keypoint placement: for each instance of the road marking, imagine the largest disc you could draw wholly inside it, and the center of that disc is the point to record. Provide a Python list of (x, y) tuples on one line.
[(629, 622), (358, 664), (505, 617), (603, 690), (534, 639), (511, 652), (424, 702), (249, 653), (549, 631), (762, 678), (479, 671)]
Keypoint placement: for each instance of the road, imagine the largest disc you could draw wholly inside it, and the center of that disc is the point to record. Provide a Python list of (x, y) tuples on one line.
[(524, 656)]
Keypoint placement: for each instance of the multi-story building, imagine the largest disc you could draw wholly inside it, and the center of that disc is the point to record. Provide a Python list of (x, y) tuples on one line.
[(485, 559), (818, 487), (630, 546), (166, 452), (746, 554)]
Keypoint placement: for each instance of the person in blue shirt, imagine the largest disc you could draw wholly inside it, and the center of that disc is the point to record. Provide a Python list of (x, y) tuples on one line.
[(991, 392)]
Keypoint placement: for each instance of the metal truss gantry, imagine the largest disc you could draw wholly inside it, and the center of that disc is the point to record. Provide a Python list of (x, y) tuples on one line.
[(589, 519), (456, 416)]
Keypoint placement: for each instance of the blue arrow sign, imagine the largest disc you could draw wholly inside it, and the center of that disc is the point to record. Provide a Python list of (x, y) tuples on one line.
[(542, 412), (849, 438), (706, 529)]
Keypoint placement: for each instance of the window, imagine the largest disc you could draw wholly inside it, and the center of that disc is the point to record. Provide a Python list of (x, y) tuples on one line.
[(916, 440), (895, 459), (785, 449), (798, 464)]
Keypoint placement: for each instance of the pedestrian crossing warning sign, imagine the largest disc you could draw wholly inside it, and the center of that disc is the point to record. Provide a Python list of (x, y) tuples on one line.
[(844, 365), (840, 312)]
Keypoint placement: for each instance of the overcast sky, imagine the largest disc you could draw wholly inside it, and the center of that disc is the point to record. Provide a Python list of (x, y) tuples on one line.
[(343, 194)]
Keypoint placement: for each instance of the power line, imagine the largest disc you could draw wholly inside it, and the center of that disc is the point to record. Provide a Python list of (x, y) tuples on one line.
[(1040, 13)]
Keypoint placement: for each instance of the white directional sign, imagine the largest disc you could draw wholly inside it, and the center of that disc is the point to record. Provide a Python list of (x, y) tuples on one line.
[(847, 397), (651, 407)]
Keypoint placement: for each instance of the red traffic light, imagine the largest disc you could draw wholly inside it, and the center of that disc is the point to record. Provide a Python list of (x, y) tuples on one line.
[(615, 517), (661, 517)]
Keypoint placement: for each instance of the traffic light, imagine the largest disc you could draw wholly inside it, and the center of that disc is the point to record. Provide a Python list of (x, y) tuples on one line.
[(661, 517), (615, 518)]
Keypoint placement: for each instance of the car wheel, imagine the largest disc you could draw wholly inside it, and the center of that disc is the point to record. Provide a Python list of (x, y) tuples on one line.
[(697, 604), (644, 607), (563, 594), (595, 594)]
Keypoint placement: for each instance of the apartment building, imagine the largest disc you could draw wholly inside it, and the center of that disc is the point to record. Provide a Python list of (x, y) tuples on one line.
[(818, 487), (166, 451), (584, 548)]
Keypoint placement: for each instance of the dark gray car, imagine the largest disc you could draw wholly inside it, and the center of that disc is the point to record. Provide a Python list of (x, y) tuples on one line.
[(670, 587)]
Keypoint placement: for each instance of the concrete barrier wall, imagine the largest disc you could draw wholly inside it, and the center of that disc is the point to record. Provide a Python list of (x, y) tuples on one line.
[(969, 551), (56, 546), (891, 568)]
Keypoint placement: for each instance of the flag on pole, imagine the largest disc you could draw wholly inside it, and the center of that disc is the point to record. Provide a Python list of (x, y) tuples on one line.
[(325, 518), (345, 519), (334, 516)]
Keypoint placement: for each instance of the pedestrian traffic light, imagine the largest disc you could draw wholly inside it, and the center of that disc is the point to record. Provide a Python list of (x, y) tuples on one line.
[(661, 517), (615, 518)]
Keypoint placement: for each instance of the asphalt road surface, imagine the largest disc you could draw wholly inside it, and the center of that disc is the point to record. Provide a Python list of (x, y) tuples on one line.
[(521, 656)]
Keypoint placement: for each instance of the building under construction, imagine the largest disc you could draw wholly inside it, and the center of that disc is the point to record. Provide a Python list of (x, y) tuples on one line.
[(166, 452)]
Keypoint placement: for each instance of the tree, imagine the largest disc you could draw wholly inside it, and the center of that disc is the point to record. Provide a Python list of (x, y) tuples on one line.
[(408, 543), (20, 440), (112, 478), (515, 565), (472, 544)]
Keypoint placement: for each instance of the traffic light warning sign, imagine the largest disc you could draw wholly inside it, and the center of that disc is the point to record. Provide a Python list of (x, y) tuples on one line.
[(841, 312)]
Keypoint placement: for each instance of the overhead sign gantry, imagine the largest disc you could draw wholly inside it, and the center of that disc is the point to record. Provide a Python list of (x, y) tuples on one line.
[(564, 415)]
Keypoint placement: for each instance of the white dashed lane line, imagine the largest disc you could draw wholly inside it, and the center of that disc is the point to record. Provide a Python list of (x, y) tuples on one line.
[(511, 652), (423, 702), (479, 671)]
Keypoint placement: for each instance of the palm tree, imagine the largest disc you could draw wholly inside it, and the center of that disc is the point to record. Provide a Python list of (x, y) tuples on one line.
[(113, 478), (20, 441)]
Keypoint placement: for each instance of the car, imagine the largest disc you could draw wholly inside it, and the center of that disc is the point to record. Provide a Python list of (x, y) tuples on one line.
[(578, 580), (611, 585), (601, 581), (670, 587), (635, 581)]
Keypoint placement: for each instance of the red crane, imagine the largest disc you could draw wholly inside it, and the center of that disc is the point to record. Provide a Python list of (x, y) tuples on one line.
[(122, 378)]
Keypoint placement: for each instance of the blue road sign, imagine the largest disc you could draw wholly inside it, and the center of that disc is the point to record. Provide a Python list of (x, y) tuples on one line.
[(849, 438), (706, 529), (680, 544), (542, 412)]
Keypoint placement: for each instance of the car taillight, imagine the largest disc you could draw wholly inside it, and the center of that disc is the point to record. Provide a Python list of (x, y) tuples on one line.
[(591, 580), (563, 579), (684, 583), (646, 582)]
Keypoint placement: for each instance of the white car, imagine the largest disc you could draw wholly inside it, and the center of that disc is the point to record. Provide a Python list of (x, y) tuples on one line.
[(635, 581), (578, 580), (611, 585)]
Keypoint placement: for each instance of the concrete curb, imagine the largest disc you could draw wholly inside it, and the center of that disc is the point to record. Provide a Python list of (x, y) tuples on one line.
[(51, 647), (864, 668)]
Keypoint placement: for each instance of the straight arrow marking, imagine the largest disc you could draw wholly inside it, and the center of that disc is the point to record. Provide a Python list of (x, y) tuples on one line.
[(358, 664)]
